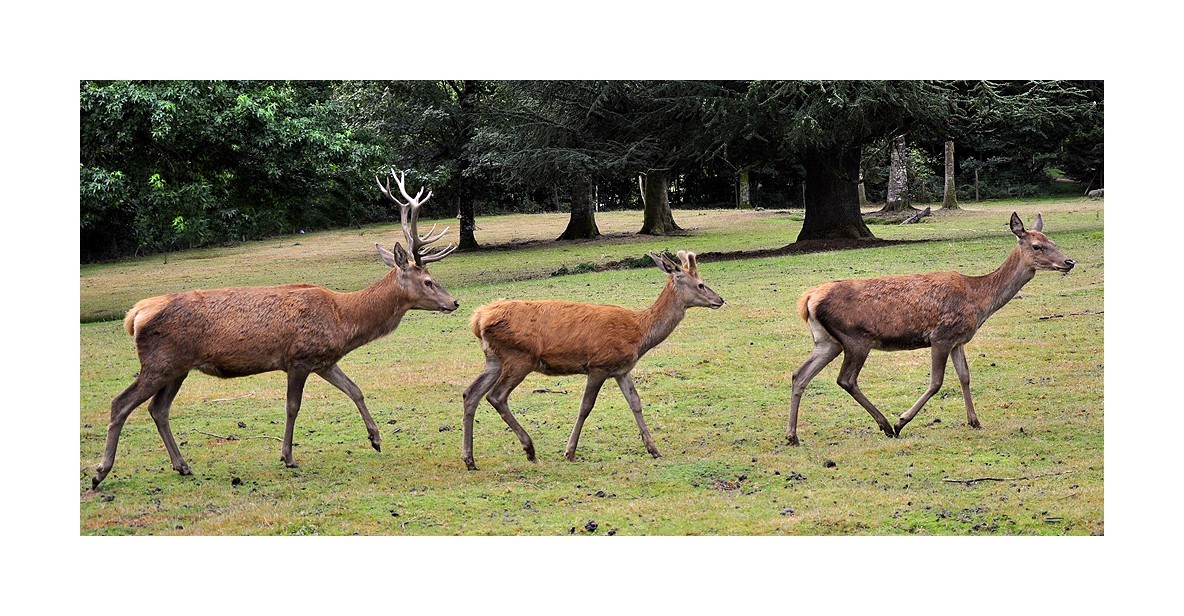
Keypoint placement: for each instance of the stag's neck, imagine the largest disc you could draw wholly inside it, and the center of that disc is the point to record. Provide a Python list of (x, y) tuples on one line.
[(375, 311), (1001, 285), (661, 318)]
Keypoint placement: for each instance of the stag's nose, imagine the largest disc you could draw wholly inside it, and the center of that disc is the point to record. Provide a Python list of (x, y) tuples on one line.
[(1069, 263), (456, 304)]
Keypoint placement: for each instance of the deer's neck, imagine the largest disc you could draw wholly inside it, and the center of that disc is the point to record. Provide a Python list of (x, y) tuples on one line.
[(1001, 285), (375, 311), (661, 318)]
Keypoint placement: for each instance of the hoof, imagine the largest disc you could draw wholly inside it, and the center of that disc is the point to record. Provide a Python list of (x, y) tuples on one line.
[(793, 440), (896, 429), (470, 464), (976, 425), (184, 471), (377, 445), (94, 483), (291, 464), (571, 456), (655, 453), (529, 453)]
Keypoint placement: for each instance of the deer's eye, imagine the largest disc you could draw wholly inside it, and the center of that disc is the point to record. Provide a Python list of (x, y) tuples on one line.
[(702, 286), (427, 283), (1037, 247)]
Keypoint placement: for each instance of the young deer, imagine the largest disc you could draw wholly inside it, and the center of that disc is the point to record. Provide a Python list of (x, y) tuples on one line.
[(560, 338), (942, 310), (301, 329)]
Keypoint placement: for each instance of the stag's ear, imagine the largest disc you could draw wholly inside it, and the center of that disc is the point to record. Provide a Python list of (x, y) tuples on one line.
[(396, 259), (1017, 225), (1039, 226), (665, 264)]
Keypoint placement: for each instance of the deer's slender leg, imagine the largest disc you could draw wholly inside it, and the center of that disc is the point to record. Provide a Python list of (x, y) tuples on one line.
[(471, 398), (338, 379), (853, 358), (512, 374), (145, 386), (591, 390), (296, 380), (937, 372), (958, 354), (825, 350), (159, 410), (625, 382)]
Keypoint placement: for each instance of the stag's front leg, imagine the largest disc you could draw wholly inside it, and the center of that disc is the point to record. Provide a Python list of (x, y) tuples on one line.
[(338, 379), (937, 372), (625, 382), (963, 370), (591, 390), (296, 380)]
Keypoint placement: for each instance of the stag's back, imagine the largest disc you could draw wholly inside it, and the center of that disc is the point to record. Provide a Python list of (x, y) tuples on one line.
[(560, 337)]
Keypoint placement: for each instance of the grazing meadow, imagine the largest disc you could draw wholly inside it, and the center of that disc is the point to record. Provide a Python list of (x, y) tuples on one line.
[(715, 395)]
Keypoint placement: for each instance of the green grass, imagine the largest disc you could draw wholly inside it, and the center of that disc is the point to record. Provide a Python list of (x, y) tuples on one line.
[(715, 396)]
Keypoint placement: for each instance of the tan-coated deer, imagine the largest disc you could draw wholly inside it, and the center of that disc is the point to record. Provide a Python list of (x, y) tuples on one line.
[(941, 310), (561, 338), (301, 329)]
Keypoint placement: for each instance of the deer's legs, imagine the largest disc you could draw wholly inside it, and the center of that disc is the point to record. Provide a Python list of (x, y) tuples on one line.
[(591, 390), (937, 372), (338, 379), (471, 398), (296, 380), (141, 389), (512, 375), (825, 350), (159, 410), (958, 354), (625, 382), (853, 360)]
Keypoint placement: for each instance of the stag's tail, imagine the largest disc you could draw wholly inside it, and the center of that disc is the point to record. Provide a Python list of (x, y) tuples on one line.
[(144, 310)]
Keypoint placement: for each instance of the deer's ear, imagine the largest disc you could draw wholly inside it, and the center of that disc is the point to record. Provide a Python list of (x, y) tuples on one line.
[(1039, 226), (1017, 225), (664, 263), (398, 258)]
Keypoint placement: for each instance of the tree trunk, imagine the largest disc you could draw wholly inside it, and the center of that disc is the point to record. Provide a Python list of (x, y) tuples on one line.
[(832, 196), (468, 219), (658, 218), (898, 178), (582, 224), (862, 191), (745, 200), (950, 200)]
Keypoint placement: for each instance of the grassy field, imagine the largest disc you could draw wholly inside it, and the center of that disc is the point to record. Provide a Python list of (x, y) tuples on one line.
[(715, 394)]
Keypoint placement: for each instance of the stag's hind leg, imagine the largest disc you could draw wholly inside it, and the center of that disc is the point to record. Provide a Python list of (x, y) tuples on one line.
[(512, 374), (937, 372), (625, 382), (471, 398), (144, 387), (338, 379), (825, 350), (159, 410), (853, 360)]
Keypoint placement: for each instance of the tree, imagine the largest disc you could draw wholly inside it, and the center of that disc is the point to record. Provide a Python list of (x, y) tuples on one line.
[(950, 193), (173, 164), (898, 177)]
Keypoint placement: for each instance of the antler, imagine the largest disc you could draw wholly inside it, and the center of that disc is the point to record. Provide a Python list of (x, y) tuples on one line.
[(409, 214)]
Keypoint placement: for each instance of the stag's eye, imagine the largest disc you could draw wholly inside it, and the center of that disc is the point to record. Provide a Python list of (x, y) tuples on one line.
[(1037, 247), (427, 283), (702, 286)]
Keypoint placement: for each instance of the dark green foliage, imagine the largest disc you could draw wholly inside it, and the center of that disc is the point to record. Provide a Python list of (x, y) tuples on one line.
[(172, 164)]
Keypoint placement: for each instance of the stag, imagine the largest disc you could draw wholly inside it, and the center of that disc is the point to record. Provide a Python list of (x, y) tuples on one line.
[(940, 310), (561, 338), (301, 329)]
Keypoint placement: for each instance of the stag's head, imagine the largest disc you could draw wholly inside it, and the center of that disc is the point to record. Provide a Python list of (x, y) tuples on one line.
[(685, 278), (412, 268), (1036, 249)]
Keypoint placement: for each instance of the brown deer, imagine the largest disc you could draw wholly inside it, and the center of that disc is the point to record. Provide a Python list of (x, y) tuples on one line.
[(941, 310), (301, 329), (560, 338)]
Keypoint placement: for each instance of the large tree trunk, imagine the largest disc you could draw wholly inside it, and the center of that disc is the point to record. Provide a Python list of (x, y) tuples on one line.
[(950, 200), (832, 196), (467, 95), (468, 219), (658, 218), (898, 178), (582, 224)]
